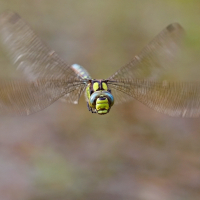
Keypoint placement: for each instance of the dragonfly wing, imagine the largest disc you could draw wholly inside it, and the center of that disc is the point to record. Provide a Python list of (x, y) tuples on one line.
[(25, 97), (81, 72), (28, 53), (75, 94), (175, 99), (156, 56), (119, 96), (31, 56)]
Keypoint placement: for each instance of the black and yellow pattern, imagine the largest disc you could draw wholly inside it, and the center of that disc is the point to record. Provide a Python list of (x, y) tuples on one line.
[(99, 97)]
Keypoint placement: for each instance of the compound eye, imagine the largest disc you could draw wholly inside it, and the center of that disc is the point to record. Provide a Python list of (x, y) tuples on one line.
[(95, 86), (104, 85)]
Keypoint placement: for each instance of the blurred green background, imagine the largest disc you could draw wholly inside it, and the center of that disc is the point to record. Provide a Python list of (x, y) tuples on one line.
[(67, 153)]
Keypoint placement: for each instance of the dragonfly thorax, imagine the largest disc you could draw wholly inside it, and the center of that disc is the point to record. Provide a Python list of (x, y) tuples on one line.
[(99, 97)]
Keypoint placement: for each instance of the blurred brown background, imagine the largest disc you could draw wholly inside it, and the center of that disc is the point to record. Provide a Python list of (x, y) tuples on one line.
[(67, 153)]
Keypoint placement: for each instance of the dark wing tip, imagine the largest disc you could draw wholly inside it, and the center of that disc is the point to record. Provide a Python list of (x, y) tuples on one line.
[(9, 16), (174, 26)]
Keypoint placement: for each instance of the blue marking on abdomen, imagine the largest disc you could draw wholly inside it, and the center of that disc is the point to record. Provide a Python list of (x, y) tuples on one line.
[(80, 71)]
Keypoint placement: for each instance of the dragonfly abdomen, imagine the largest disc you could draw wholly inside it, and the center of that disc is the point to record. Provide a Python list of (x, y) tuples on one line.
[(80, 71)]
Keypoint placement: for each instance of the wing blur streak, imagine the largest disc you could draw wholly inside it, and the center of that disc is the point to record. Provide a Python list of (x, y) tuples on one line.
[(139, 79), (177, 99), (24, 98), (155, 57), (31, 56), (28, 53)]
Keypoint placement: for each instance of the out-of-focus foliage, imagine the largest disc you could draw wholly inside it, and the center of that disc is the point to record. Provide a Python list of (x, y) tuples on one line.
[(65, 152)]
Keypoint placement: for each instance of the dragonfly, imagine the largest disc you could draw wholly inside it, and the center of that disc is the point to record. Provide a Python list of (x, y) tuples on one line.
[(48, 78)]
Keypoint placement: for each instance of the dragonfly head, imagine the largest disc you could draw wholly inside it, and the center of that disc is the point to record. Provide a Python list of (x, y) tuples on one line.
[(99, 97), (102, 101)]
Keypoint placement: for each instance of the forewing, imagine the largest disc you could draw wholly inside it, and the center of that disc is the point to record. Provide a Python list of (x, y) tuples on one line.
[(175, 99), (152, 61), (156, 56), (28, 53), (31, 56), (24, 97)]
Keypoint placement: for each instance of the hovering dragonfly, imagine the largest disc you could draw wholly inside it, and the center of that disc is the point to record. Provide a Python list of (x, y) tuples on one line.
[(48, 78)]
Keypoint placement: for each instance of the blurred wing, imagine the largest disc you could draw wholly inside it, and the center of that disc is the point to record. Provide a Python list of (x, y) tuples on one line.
[(175, 99), (158, 55), (155, 57), (30, 55), (24, 98)]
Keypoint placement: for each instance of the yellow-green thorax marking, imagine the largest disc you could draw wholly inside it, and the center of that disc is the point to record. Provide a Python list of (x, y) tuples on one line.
[(99, 97)]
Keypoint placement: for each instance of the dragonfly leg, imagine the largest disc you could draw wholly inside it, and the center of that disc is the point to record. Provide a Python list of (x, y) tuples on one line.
[(88, 106)]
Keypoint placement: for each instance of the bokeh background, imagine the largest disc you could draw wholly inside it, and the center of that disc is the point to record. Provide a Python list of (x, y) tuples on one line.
[(66, 153)]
